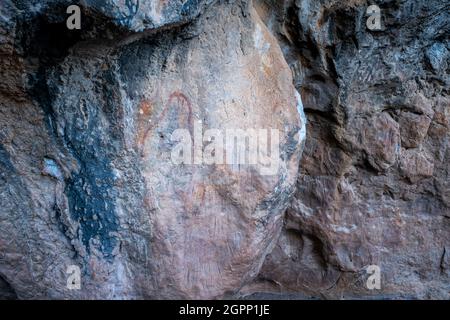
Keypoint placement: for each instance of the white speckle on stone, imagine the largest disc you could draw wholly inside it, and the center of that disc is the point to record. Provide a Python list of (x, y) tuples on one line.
[(302, 132), (154, 15), (52, 169), (117, 174), (343, 229)]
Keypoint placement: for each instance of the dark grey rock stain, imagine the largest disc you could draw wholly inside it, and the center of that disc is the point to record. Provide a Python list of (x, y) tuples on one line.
[(50, 42), (90, 192)]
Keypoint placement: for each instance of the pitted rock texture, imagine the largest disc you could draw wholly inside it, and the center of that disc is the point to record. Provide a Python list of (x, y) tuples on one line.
[(85, 154), (374, 183)]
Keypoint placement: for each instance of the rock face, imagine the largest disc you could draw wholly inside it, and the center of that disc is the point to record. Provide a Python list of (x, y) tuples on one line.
[(374, 182), (89, 175), (129, 15), (114, 158)]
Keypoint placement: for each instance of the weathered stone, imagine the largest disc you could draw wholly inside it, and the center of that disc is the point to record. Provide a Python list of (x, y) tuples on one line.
[(87, 175), (415, 166), (131, 15), (88, 179), (413, 129), (378, 137), (381, 204), (436, 57)]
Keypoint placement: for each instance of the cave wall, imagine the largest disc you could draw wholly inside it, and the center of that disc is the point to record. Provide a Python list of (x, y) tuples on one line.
[(86, 180), (374, 182)]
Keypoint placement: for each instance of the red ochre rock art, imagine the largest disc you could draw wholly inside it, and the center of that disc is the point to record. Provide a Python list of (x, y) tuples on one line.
[(177, 108)]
